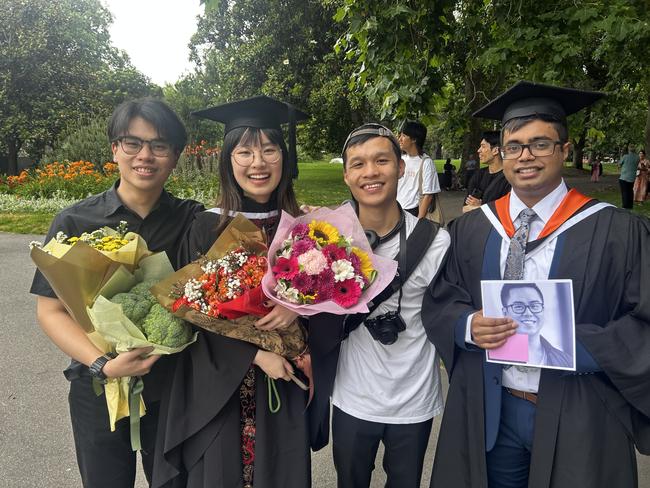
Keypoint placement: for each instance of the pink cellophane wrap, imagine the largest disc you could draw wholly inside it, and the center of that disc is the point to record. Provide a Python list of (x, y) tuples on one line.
[(345, 220)]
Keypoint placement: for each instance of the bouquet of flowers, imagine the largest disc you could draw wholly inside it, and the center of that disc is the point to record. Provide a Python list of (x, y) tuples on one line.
[(77, 267), (229, 287), (322, 262), (117, 244), (315, 264), (221, 291), (103, 280)]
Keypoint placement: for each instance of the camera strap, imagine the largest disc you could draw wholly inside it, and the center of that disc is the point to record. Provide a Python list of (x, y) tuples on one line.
[(417, 244)]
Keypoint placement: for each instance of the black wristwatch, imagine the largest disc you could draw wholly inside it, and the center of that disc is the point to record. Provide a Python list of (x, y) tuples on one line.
[(96, 368)]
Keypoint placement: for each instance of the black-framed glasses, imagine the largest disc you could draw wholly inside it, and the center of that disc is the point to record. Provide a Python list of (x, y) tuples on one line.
[(132, 145), (520, 307), (538, 148), (244, 156)]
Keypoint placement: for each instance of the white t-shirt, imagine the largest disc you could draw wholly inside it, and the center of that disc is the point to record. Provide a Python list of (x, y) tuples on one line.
[(398, 383), (408, 195)]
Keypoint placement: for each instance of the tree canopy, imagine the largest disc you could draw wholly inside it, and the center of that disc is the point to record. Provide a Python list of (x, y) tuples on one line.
[(344, 62), (475, 50), (56, 65)]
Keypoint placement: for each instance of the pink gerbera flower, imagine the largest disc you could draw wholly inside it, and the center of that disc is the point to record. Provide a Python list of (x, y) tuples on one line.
[(303, 283), (333, 253), (300, 230), (346, 293), (324, 284), (286, 268), (302, 246)]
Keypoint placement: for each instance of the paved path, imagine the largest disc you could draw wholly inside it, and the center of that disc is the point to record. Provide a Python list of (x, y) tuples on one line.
[(35, 438)]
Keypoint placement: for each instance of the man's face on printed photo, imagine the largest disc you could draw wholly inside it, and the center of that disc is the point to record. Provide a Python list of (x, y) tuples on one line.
[(525, 306)]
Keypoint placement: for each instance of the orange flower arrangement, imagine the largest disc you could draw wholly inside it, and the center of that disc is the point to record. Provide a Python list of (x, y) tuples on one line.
[(201, 148), (66, 171)]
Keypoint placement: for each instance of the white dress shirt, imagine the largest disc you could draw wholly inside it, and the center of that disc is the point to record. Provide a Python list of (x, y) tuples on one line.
[(536, 267)]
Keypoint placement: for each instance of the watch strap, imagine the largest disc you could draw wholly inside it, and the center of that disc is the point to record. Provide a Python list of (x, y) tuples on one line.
[(97, 366)]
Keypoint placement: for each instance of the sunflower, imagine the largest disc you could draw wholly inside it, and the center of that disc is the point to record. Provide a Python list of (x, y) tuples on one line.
[(323, 233), (365, 263)]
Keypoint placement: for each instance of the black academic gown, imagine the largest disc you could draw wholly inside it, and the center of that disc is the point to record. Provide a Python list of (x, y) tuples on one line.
[(587, 422), (199, 439)]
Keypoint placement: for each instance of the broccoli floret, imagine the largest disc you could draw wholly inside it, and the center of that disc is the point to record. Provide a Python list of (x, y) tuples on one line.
[(162, 328), (133, 306), (142, 290)]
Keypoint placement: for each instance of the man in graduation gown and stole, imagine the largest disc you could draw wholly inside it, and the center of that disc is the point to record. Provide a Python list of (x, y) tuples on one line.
[(530, 427)]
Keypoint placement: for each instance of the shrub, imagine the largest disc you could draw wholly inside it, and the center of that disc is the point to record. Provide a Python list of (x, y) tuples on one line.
[(83, 140)]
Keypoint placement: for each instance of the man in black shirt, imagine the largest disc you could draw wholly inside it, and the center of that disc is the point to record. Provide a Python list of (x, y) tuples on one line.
[(488, 183), (146, 139)]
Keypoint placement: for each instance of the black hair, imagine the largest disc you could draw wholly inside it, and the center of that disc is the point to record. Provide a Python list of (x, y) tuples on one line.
[(560, 126), (362, 139), (417, 131), (231, 194), (508, 287), (492, 137), (154, 111)]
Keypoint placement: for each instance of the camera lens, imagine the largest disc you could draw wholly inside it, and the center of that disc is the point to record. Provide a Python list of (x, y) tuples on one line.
[(388, 337)]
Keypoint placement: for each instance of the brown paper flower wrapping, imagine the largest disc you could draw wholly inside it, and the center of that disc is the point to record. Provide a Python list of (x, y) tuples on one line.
[(288, 342)]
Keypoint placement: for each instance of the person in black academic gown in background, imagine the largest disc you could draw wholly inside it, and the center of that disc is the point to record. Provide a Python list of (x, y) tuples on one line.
[(524, 427), (216, 429)]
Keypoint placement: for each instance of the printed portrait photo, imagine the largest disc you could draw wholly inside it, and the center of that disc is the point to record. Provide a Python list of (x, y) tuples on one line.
[(543, 312)]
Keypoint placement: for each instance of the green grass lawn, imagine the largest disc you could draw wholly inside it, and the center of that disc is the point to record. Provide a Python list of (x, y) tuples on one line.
[(613, 196), (25, 223), (319, 183)]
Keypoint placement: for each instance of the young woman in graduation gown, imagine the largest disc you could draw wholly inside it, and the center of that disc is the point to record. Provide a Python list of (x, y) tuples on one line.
[(216, 428)]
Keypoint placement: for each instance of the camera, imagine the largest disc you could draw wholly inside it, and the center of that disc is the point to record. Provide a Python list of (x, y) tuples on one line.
[(477, 193), (384, 328)]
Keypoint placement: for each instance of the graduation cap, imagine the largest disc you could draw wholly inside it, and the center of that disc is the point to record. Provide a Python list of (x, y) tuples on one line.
[(526, 98), (260, 112)]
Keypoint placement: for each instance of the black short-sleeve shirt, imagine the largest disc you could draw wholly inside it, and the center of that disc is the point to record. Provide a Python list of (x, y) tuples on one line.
[(163, 230)]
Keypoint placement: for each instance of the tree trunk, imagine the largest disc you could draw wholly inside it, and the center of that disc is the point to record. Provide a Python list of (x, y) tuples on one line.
[(471, 139), (13, 146), (579, 146), (578, 152)]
